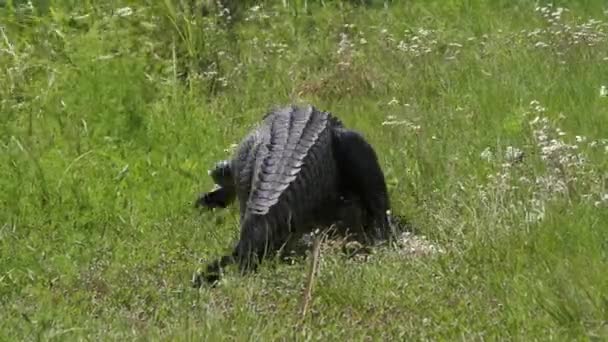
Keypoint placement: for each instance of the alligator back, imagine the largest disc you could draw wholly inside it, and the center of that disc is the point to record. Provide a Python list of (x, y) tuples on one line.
[(285, 171)]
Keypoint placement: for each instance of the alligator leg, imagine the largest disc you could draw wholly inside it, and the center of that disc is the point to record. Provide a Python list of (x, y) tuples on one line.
[(213, 271), (257, 241), (220, 197), (224, 193), (253, 245), (245, 254), (360, 173)]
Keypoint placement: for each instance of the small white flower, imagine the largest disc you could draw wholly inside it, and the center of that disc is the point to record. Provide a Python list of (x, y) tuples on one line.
[(487, 154), (231, 148), (513, 154), (604, 91), (124, 12)]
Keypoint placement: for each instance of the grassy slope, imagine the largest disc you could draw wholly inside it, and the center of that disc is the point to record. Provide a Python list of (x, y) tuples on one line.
[(109, 124)]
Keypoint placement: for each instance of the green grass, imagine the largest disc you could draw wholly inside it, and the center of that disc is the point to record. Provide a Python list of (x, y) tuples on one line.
[(109, 124)]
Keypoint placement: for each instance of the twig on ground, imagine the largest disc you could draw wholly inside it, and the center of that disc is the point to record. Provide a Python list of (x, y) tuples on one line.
[(314, 265)]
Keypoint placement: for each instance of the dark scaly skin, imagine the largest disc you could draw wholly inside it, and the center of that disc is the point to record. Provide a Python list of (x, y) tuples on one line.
[(290, 175)]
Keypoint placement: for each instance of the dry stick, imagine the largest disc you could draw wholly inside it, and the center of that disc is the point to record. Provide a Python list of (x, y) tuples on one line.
[(314, 264)]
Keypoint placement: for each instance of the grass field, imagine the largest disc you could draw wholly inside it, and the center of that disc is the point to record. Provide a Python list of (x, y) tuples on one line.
[(489, 119)]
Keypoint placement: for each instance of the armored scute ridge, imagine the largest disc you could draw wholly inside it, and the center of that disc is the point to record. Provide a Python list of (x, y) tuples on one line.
[(299, 169)]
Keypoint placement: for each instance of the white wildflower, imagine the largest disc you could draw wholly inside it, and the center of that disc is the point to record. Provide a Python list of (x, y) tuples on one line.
[(392, 122), (524, 180), (602, 201), (124, 11), (513, 154), (604, 91), (231, 148), (345, 44), (536, 212), (487, 154)]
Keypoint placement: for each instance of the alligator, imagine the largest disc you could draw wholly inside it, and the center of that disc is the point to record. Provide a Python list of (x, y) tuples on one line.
[(298, 170)]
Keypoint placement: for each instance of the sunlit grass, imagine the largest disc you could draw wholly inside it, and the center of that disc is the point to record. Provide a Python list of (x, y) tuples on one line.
[(487, 116)]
